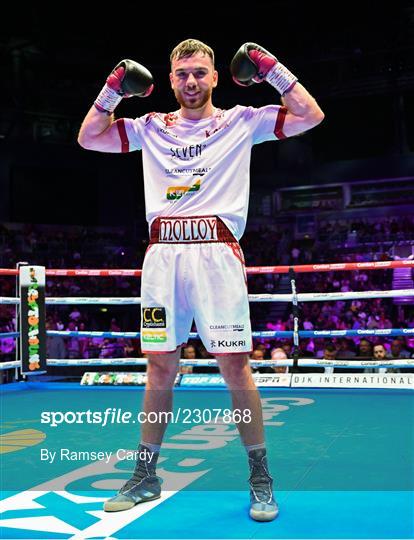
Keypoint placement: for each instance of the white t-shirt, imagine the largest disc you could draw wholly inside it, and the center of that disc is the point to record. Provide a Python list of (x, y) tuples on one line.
[(200, 167)]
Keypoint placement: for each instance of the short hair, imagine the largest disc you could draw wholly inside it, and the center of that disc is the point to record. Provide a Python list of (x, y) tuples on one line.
[(279, 353), (330, 347), (188, 47)]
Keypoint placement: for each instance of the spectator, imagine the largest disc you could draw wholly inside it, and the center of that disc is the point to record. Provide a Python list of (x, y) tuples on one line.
[(72, 343), (397, 351), (364, 349), (83, 342), (307, 324), (380, 354), (257, 354), (189, 352), (287, 347), (279, 354), (114, 326), (345, 349), (55, 345), (261, 347), (329, 353), (75, 315), (278, 326), (7, 349)]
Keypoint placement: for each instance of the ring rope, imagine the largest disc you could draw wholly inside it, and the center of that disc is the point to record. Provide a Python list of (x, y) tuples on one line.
[(384, 332), (302, 297), (258, 334), (9, 300), (328, 267), (289, 362), (9, 334), (295, 313)]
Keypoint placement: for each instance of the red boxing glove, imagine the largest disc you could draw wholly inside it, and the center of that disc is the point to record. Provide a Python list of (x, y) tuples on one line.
[(254, 64), (115, 79), (127, 79), (264, 62)]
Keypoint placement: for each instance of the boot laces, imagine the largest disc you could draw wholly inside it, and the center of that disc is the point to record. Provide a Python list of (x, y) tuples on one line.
[(260, 481), (141, 472)]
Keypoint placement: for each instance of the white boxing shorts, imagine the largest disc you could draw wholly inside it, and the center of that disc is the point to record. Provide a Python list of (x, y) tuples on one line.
[(194, 269)]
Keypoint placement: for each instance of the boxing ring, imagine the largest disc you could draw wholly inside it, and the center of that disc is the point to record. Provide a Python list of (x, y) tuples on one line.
[(341, 447)]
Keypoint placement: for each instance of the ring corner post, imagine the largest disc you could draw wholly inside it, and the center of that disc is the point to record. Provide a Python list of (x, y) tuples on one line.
[(32, 281)]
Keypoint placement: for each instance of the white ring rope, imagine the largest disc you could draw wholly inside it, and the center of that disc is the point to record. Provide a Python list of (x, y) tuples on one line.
[(210, 362), (302, 297)]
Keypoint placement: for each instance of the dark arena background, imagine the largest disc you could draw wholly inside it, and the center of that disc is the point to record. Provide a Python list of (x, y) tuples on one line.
[(329, 251)]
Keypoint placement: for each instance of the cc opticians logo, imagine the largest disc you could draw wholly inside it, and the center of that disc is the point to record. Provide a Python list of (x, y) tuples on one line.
[(154, 317)]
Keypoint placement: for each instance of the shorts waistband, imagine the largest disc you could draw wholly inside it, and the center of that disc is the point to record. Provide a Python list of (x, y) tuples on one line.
[(189, 230)]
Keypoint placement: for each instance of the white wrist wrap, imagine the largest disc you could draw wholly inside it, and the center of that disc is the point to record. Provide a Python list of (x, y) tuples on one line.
[(107, 100), (281, 78)]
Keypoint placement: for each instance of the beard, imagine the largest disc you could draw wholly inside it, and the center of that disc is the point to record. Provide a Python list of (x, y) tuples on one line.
[(193, 102)]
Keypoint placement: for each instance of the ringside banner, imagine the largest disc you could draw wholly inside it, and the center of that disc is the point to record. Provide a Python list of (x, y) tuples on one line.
[(398, 381), (32, 319)]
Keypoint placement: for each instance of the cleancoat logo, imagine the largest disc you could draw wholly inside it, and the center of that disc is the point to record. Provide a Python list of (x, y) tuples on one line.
[(227, 327)]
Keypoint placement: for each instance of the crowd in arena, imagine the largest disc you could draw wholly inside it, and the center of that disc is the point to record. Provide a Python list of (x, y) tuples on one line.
[(84, 248), (368, 230)]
